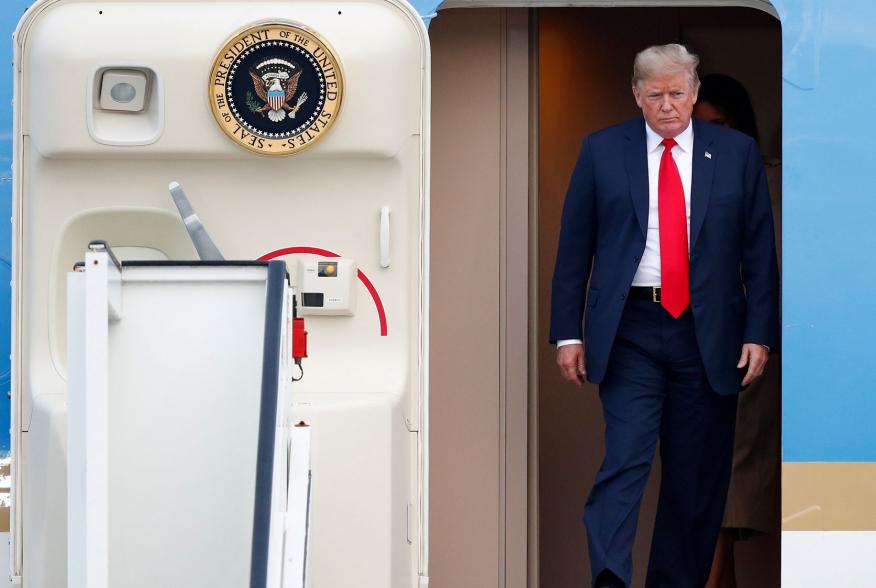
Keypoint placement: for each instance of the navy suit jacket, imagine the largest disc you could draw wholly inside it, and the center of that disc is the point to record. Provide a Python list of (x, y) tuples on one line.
[(733, 268)]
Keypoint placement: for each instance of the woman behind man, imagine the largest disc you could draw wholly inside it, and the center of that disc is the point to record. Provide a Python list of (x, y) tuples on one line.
[(753, 499)]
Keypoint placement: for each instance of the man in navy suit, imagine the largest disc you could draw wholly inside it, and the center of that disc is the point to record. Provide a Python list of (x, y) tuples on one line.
[(668, 220)]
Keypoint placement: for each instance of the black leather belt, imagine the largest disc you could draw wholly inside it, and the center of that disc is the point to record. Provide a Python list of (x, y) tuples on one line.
[(651, 294)]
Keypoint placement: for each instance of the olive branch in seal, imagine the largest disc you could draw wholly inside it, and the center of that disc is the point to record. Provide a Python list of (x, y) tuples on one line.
[(251, 103)]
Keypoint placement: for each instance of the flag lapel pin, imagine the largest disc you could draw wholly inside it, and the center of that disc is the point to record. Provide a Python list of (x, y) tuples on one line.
[(708, 155)]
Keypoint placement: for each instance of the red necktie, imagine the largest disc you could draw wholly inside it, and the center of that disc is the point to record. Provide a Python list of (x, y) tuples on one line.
[(674, 280)]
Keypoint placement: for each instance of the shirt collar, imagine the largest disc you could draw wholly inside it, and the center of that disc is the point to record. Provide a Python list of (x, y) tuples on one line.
[(684, 139)]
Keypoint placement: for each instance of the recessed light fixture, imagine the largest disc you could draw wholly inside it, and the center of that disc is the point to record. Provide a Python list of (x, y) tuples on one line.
[(123, 89)]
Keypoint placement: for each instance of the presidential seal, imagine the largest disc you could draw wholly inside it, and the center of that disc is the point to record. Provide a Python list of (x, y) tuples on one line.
[(276, 88)]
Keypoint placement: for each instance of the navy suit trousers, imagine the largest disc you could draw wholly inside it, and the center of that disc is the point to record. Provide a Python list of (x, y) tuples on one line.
[(656, 387)]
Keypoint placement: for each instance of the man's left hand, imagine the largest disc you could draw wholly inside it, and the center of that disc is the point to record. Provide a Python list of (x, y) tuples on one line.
[(756, 356)]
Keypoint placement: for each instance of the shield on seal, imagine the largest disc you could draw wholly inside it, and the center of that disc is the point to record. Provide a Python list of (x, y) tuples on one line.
[(276, 98)]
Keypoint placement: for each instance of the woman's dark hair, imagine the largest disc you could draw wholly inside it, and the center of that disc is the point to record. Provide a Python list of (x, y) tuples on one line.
[(730, 97)]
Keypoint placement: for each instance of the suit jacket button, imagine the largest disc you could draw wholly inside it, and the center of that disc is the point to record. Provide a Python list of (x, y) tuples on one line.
[(636, 259)]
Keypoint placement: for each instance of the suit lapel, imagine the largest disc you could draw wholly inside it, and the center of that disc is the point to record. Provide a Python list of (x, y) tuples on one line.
[(636, 161), (701, 179)]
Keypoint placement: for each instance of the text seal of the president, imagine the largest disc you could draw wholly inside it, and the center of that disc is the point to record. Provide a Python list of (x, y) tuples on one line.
[(276, 88)]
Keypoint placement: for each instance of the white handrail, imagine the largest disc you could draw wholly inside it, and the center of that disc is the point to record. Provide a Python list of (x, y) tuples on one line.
[(298, 508), (384, 237), (93, 301)]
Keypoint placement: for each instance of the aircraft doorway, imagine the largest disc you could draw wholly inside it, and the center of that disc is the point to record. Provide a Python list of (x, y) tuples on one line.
[(513, 450), (585, 58)]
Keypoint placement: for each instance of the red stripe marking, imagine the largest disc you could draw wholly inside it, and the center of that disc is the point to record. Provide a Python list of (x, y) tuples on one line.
[(381, 312)]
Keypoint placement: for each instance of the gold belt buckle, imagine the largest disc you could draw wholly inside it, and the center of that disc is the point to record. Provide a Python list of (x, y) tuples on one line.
[(655, 294)]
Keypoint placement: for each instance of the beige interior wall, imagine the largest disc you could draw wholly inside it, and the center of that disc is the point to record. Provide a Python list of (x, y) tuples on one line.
[(479, 299), (585, 61), (464, 424)]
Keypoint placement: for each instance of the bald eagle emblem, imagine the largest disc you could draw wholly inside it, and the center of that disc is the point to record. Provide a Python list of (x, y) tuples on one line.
[(276, 82)]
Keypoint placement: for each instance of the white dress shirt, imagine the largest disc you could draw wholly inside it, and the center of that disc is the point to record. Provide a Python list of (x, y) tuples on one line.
[(648, 273)]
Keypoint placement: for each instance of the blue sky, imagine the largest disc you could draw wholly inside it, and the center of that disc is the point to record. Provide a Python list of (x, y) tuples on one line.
[(10, 12)]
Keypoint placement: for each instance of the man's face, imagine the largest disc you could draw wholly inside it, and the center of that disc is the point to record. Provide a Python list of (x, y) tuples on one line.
[(667, 103)]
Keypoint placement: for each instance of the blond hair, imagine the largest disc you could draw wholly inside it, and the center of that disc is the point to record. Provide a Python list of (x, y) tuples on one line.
[(666, 59)]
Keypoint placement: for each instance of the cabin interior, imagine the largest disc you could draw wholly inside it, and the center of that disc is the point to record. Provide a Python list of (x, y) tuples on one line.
[(514, 449)]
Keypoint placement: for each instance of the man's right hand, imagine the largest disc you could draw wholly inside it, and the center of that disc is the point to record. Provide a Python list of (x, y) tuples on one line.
[(572, 364)]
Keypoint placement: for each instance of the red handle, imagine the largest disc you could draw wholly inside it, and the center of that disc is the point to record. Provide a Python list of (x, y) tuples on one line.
[(299, 339)]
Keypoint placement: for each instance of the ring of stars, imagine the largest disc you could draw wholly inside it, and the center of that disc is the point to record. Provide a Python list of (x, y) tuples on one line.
[(307, 57)]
